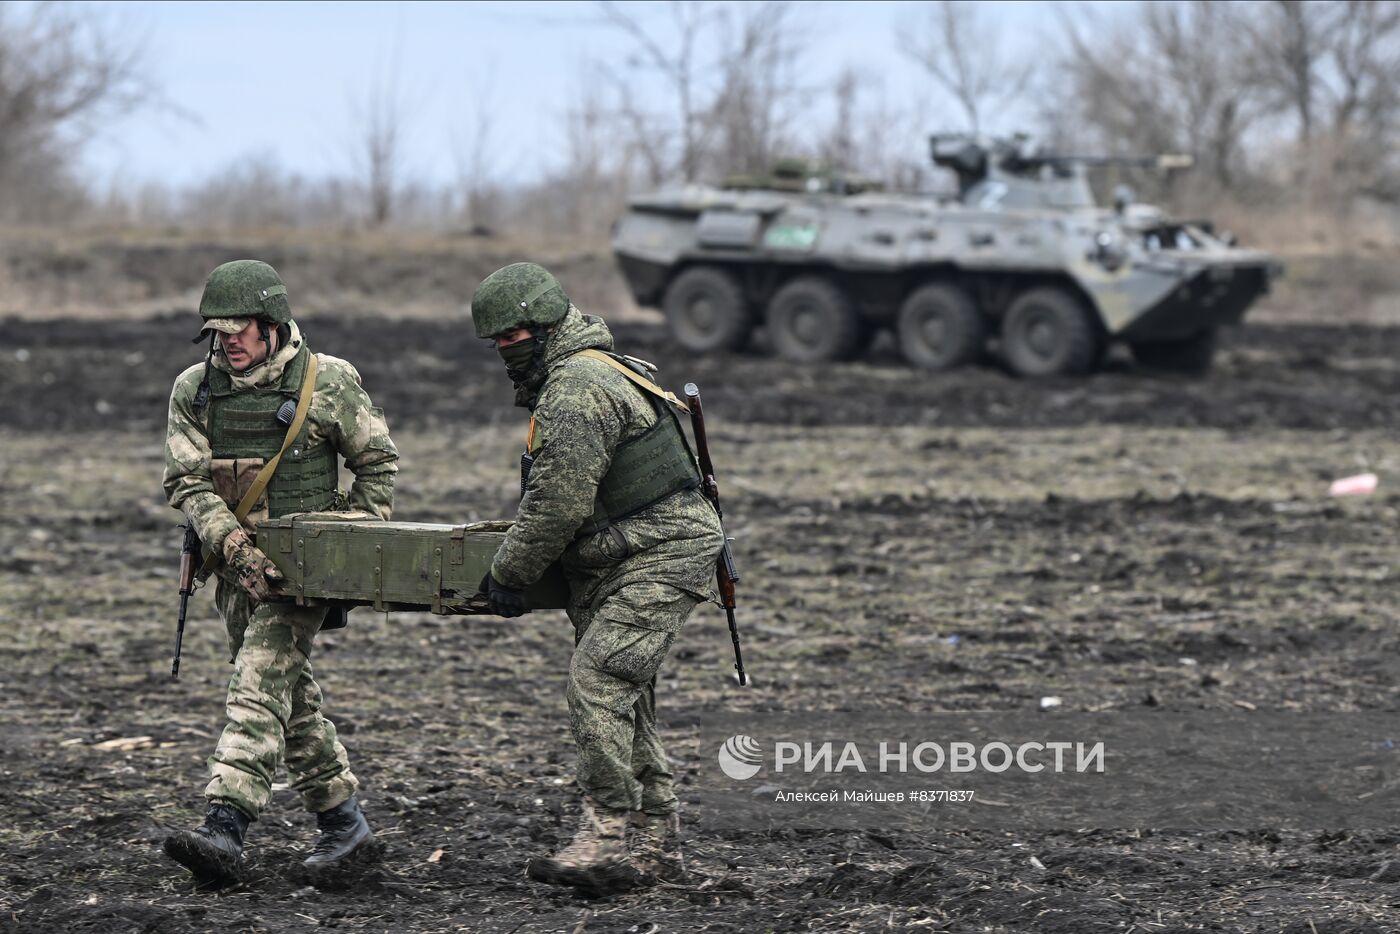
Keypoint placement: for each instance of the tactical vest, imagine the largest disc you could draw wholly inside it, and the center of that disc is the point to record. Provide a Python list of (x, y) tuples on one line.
[(645, 470), (243, 424)]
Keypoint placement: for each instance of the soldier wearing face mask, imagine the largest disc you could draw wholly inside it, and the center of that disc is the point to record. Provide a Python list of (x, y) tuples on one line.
[(610, 488)]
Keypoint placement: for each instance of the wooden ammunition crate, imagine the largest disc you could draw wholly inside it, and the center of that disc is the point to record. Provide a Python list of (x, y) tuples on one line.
[(351, 560)]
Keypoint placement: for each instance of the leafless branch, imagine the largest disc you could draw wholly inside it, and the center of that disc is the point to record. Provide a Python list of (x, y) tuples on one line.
[(476, 154), (64, 72), (962, 55), (380, 119)]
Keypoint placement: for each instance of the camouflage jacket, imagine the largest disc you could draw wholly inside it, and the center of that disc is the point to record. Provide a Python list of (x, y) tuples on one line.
[(583, 412), (341, 413)]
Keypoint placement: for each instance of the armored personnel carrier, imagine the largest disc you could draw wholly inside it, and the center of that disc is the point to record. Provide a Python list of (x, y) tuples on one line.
[(1022, 258)]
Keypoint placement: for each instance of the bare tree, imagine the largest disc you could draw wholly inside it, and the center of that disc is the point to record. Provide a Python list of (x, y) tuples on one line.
[(1287, 44), (1186, 88), (476, 158), (841, 147), (1319, 64), (586, 191), (666, 144), (752, 113), (593, 174), (1366, 61), (871, 136), (380, 141), (63, 71), (729, 71), (380, 119), (1364, 101), (962, 54), (251, 191)]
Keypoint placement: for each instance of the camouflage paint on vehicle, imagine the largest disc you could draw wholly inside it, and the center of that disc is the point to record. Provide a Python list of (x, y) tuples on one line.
[(1023, 220)]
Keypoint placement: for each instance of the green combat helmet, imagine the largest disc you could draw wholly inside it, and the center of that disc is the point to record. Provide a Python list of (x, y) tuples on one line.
[(517, 296), (233, 293), (244, 288)]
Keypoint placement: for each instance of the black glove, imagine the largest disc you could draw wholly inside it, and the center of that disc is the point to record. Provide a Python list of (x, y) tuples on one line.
[(504, 601)]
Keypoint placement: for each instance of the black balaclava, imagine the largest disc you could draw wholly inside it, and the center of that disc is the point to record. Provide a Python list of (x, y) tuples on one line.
[(524, 362), (520, 356)]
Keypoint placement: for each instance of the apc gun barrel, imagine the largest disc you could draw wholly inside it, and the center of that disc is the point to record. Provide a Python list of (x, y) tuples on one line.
[(1164, 161)]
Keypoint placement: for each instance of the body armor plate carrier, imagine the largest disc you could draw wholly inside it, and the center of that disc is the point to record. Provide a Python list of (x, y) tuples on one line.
[(243, 424), (646, 469)]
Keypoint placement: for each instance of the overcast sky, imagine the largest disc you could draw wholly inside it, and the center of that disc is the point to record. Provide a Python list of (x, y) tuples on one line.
[(280, 79)]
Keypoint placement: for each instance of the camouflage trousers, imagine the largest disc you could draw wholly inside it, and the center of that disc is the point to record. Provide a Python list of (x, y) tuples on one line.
[(619, 645), (274, 710)]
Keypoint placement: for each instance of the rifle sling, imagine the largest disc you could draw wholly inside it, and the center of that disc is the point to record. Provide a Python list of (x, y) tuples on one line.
[(264, 477), (637, 378)]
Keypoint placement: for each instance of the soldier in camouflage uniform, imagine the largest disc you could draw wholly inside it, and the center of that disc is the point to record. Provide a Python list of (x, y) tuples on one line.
[(612, 490), (223, 426)]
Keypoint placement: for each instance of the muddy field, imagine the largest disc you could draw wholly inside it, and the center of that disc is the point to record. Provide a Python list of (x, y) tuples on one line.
[(1127, 542)]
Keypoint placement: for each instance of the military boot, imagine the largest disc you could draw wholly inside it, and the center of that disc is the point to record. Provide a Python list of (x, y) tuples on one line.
[(345, 837), (596, 859), (213, 851), (655, 844)]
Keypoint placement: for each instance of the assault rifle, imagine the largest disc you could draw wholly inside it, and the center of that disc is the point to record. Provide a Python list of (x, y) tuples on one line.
[(189, 557), (726, 573)]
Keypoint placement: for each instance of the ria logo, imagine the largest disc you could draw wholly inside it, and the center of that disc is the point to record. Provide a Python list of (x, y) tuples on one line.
[(740, 757)]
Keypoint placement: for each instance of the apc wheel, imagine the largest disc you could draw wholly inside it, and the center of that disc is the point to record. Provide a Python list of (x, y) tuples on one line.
[(706, 311), (812, 321), (940, 328), (1048, 332), (1193, 354)]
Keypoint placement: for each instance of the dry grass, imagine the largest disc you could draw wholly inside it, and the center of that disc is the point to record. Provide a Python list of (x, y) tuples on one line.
[(1293, 232), (134, 273), (1340, 268)]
